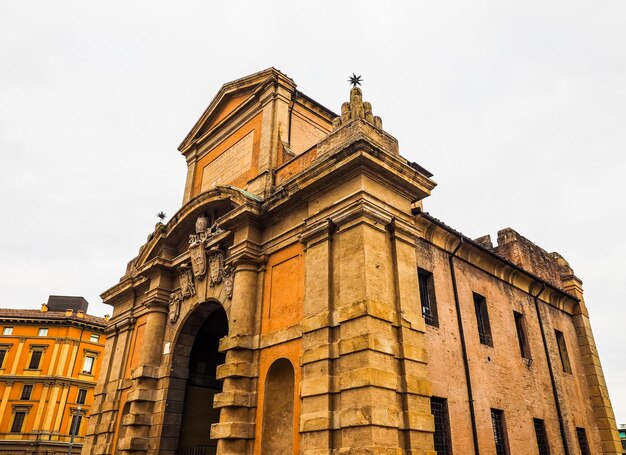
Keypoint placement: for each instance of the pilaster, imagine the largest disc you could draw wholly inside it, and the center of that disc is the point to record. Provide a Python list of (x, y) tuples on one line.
[(135, 427), (598, 391), (318, 395), (237, 401)]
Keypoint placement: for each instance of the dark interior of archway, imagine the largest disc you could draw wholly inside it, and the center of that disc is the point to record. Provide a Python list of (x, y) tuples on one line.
[(198, 412)]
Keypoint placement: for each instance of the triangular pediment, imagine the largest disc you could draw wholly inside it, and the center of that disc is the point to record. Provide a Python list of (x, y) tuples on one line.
[(231, 98)]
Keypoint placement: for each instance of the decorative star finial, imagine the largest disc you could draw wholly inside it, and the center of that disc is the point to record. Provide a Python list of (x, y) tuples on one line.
[(161, 215), (355, 80)]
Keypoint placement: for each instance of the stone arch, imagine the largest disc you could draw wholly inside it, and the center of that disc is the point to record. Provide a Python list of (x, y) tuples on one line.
[(192, 383), (277, 435)]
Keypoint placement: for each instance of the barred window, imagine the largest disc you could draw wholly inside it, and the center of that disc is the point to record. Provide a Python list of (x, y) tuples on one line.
[(439, 409), (482, 317), (542, 437), (581, 434), (499, 432), (427, 297)]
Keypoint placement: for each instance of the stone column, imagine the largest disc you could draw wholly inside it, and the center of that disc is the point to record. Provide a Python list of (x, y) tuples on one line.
[(235, 430)]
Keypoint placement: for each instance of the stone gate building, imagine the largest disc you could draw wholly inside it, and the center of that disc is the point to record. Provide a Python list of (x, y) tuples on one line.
[(301, 301)]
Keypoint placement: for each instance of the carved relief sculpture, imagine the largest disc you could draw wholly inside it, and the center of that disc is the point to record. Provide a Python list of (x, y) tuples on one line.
[(175, 299), (357, 108), (186, 281), (205, 229)]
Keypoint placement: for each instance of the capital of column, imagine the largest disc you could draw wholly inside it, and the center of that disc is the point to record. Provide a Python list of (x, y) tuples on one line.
[(246, 256), (158, 300)]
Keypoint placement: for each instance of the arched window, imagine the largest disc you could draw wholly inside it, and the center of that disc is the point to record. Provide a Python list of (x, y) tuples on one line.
[(278, 409)]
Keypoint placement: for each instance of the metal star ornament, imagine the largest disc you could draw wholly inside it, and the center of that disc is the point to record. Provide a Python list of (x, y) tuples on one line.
[(355, 80), (161, 215)]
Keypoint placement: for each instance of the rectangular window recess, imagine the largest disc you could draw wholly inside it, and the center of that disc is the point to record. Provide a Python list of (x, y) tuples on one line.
[(542, 437), (427, 297), (439, 409), (522, 337), (560, 340), (499, 432), (482, 318)]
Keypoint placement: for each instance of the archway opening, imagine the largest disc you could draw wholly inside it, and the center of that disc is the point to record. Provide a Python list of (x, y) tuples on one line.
[(278, 409), (201, 386)]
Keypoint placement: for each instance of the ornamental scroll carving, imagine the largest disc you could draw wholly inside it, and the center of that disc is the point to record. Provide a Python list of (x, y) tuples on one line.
[(220, 273), (205, 229), (187, 289), (186, 281), (176, 299), (202, 262)]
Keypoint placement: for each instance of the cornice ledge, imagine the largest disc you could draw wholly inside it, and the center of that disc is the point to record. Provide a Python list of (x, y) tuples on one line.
[(361, 153), (317, 231), (123, 289), (361, 208), (249, 212)]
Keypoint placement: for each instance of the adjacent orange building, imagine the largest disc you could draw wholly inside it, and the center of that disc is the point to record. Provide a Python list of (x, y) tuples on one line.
[(49, 362)]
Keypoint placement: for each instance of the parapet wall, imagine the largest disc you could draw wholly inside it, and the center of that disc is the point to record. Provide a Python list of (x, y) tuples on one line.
[(551, 267)]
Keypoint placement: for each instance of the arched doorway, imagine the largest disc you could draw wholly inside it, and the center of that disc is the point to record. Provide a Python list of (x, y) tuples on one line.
[(278, 410), (201, 386)]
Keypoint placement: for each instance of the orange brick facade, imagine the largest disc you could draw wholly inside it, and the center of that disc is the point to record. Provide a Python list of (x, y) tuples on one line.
[(50, 362), (302, 302)]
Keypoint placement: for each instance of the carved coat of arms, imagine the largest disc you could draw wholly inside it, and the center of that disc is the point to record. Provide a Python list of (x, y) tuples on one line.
[(186, 282), (198, 259)]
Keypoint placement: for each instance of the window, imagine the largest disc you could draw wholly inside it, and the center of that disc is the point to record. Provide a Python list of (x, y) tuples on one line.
[(94, 338), (499, 432), (582, 441), (82, 396), (7, 331), (482, 317), (3, 354), (88, 364), (520, 326), (35, 360), (439, 409), (427, 297), (75, 425), (43, 332), (542, 437), (560, 340), (18, 421), (26, 391)]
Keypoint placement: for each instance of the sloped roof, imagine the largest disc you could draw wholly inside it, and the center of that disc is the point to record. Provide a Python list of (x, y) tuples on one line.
[(19, 315)]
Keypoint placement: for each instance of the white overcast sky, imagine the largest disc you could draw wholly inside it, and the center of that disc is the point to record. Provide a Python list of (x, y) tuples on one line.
[(518, 108)]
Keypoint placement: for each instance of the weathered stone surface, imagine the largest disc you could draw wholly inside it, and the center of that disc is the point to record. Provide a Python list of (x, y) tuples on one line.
[(324, 349)]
